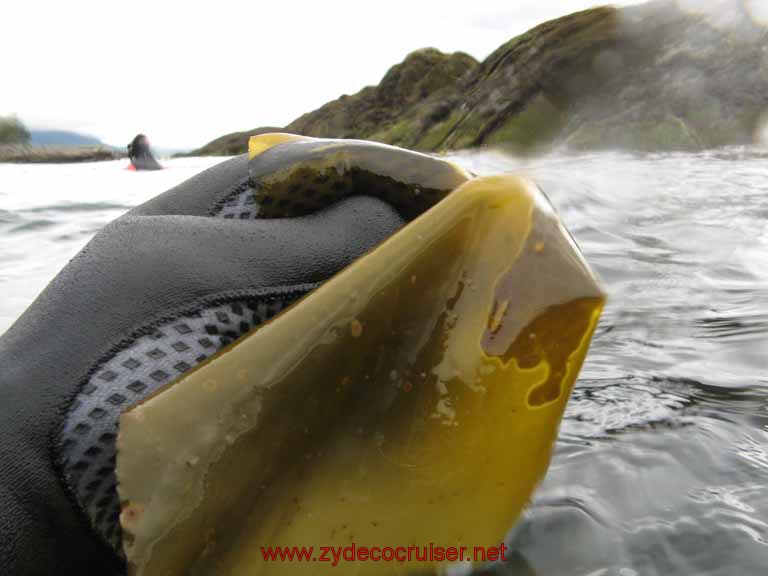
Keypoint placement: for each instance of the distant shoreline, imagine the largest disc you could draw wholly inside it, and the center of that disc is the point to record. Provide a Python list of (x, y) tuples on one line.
[(26, 154)]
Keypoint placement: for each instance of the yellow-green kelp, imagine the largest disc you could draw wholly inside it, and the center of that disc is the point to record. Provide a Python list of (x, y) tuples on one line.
[(295, 175), (414, 398)]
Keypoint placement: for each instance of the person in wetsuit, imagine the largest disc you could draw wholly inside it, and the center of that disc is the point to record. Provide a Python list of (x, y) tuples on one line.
[(140, 154)]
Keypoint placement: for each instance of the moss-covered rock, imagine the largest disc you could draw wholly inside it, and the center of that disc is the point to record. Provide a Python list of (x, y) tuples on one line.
[(669, 133), (645, 77), (412, 97), (533, 128), (230, 144)]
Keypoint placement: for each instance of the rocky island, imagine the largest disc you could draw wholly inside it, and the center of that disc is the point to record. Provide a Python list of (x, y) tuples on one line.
[(17, 145), (644, 77)]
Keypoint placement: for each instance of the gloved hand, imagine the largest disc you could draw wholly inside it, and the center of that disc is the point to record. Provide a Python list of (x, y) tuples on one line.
[(154, 293)]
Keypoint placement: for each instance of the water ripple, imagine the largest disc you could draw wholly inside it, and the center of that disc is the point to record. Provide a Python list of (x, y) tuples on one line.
[(76, 207)]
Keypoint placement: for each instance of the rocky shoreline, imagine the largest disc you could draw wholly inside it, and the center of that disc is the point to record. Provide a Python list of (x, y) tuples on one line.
[(25, 154), (646, 77)]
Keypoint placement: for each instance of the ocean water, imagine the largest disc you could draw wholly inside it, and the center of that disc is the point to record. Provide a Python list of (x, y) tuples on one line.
[(49, 211), (661, 467)]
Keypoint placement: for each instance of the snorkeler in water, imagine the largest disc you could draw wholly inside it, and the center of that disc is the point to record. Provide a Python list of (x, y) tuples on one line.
[(140, 154)]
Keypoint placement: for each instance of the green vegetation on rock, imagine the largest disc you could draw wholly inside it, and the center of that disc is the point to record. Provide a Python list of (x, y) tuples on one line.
[(12, 131), (645, 77), (412, 97), (534, 127), (668, 133)]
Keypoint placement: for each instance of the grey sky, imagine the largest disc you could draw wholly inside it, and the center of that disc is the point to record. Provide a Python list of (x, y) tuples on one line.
[(186, 72)]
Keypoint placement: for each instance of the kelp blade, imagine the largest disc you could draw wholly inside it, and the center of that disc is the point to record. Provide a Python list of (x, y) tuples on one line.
[(412, 399), (296, 175), (263, 142)]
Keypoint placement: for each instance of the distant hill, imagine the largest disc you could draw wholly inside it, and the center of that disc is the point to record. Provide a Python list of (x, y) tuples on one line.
[(646, 77), (230, 144), (61, 138)]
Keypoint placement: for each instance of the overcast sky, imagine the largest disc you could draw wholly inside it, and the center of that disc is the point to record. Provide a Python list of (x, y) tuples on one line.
[(187, 72)]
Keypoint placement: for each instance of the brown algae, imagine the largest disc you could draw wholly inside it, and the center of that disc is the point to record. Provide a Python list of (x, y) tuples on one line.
[(484, 348)]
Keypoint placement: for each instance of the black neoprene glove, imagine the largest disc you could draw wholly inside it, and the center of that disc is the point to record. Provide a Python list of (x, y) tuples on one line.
[(154, 293)]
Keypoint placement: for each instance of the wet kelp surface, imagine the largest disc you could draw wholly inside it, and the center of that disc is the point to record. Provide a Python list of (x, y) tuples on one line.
[(381, 408), (662, 459)]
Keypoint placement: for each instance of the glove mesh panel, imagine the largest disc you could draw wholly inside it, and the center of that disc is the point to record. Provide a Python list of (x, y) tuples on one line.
[(148, 362)]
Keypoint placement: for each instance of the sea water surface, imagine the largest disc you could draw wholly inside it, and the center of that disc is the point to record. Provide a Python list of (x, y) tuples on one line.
[(661, 467)]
